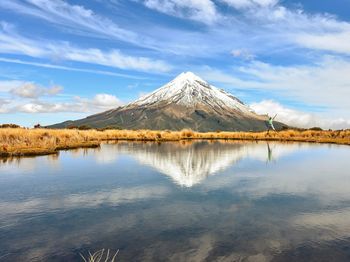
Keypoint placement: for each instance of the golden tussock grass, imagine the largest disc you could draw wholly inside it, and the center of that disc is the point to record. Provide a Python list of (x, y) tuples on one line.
[(20, 141)]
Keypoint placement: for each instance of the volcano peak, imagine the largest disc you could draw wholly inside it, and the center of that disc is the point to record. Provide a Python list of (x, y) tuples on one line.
[(187, 101)]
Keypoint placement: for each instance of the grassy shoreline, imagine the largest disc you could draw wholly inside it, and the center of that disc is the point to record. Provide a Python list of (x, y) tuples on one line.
[(31, 142)]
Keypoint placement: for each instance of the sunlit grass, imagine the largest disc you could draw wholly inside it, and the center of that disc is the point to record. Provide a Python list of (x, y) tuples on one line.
[(20, 141)]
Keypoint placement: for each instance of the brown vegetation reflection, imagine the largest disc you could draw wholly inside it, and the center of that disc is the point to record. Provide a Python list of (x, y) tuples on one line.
[(19, 141)]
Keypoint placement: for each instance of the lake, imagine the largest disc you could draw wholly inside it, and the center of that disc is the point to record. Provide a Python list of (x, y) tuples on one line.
[(180, 201)]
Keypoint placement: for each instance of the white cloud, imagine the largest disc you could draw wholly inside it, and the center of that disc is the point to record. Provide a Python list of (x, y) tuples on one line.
[(263, 26), (31, 90), (274, 25), (114, 197), (12, 43), (67, 68), (204, 11), (106, 100), (28, 97), (325, 83), (8, 85), (38, 107), (242, 53), (199, 10), (297, 118), (239, 4), (114, 58), (3, 105), (297, 28), (335, 42), (72, 17), (100, 102)]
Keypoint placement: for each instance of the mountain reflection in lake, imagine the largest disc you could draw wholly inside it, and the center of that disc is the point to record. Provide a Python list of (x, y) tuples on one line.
[(199, 201)]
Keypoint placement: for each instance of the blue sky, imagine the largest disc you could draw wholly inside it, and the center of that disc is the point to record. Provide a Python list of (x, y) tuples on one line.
[(65, 59)]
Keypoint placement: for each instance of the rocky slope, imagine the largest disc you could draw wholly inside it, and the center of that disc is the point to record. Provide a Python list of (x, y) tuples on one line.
[(185, 102)]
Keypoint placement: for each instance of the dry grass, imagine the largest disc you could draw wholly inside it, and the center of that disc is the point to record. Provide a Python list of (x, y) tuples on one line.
[(18, 141)]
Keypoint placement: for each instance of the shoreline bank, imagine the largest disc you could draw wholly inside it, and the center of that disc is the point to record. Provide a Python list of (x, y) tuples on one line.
[(34, 142)]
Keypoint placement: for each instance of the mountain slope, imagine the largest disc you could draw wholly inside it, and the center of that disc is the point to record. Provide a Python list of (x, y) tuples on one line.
[(185, 102)]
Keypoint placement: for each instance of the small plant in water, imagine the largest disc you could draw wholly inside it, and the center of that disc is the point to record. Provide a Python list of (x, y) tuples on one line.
[(100, 256)]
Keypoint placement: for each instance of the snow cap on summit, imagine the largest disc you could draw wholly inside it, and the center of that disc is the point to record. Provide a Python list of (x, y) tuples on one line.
[(188, 89), (188, 76)]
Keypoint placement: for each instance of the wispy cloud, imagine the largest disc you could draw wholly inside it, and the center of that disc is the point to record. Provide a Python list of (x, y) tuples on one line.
[(243, 4), (325, 83), (337, 42), (321, 85), (235, 38), (260, 25), (72, 17), (12, 43), (115, 58), (68, 68), (242, 53), (203, 11)]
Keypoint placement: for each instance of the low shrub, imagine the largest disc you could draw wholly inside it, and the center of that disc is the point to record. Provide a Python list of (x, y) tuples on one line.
[(9, 126)]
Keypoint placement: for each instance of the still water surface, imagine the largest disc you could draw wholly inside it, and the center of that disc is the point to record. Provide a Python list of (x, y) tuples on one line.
[(202, 201)]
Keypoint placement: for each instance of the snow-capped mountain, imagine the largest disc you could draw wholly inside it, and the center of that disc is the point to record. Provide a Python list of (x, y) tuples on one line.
[(185, 102), (187, 89)]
